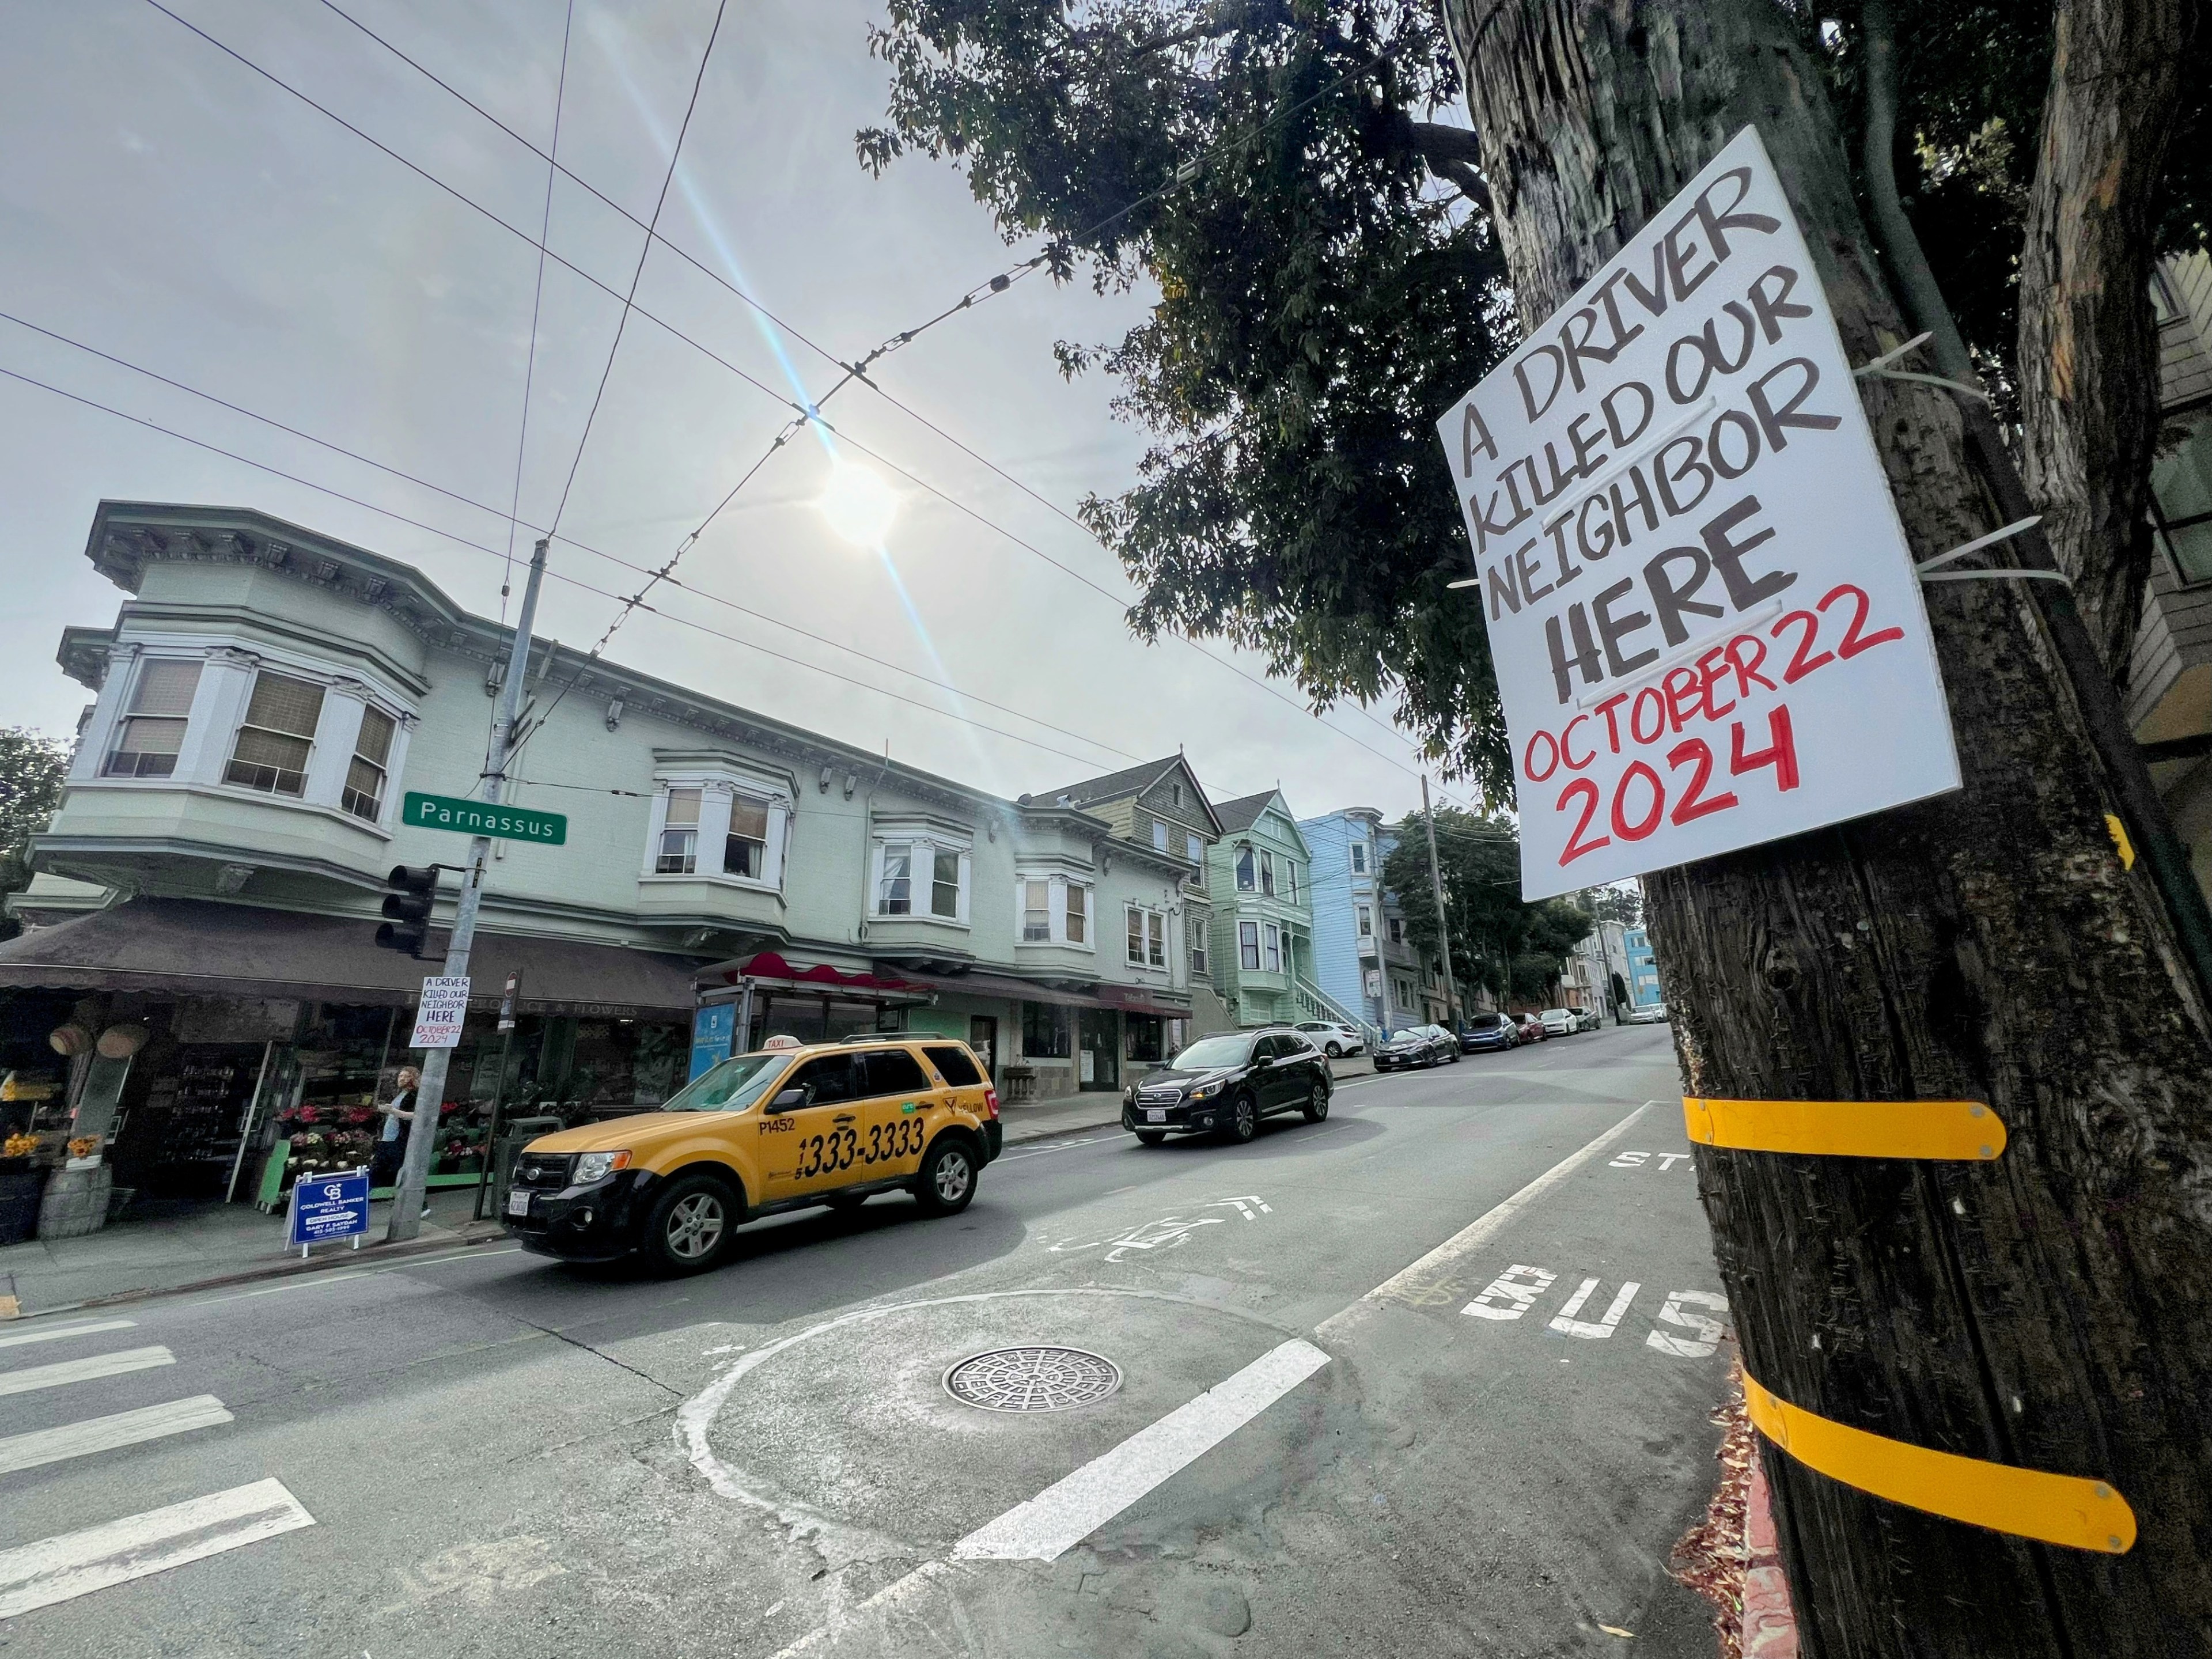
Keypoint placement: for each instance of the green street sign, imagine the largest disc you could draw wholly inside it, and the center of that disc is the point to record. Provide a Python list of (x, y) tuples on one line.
[(476, 818)]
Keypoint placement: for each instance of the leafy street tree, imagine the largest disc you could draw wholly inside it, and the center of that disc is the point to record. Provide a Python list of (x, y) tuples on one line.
[(1622, 904), (31, 770), (1513, 950), (2046, 1310)]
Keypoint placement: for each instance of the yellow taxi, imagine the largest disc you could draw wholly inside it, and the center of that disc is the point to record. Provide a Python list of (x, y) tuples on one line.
[(778, 1130)]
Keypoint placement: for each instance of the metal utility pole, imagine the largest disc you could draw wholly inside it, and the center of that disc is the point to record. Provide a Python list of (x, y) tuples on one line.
[(1437, 886), (406, 1220)]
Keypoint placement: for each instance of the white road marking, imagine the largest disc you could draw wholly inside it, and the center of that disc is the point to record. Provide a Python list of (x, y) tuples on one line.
[(1246, 1205), (57, 1333), (1677, 1312), (1567, 1325), (1010, 1156), (83, 1370), (1408, 1283), (1511, 1293), (77, 1563), (98, 1434), (1069, 1510)]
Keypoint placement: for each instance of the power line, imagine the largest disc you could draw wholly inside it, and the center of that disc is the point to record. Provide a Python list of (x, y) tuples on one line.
[(802, 412), (537, 301), (674, 155), (587, 587)]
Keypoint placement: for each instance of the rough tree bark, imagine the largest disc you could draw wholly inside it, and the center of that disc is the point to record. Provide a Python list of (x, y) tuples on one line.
[(2088, 343), (2046, 1310)]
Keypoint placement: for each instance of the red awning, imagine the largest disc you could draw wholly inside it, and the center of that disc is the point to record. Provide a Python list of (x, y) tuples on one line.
[(769, 965)]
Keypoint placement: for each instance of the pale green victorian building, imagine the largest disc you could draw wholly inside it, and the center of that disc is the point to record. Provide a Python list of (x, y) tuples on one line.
[(1260, 877)]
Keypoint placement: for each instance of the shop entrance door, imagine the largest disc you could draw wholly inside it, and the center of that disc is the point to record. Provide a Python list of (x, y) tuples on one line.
[(1098, 1060), (983, 1038)]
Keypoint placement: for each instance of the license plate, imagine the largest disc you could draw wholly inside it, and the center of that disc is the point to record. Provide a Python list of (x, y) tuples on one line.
[(518, 1204), (1156, 1117)]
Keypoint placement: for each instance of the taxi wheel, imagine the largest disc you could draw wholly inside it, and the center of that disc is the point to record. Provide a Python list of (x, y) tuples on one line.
[(1317, 1102), (1150, 1137), (1243, 1119), (689, 1227), (948, 1177)]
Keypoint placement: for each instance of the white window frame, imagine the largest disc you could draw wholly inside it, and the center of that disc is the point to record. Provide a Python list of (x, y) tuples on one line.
[(240, 726), (1132, 935), (1359, 860), (113, 746), (688, 858), (719, 791), (1159, 835), (1366, 920), (1246, 864), (1024, 909), (1156, 938), (1198, 966), (1271, 948), (1194, 847), (1077, 904), (1267, 873)]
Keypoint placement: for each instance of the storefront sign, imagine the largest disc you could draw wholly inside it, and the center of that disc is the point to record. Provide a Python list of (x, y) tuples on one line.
[(476, 818), (438, 1018), (713, 1030), (327, 1206), (1707, 628)]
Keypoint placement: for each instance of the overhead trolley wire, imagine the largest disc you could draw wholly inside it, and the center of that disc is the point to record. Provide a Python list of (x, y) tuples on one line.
[(803, 412)]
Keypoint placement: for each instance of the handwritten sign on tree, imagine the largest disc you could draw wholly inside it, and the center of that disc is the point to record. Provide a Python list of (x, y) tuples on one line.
[(1707, 628)]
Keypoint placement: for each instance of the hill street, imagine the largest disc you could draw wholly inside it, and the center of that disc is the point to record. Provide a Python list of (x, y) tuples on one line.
[(1433, 1375)]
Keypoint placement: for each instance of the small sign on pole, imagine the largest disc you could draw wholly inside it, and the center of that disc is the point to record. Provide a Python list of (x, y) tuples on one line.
[(326, 1206), (1706, 624), (506, 1000), (444, 1006)]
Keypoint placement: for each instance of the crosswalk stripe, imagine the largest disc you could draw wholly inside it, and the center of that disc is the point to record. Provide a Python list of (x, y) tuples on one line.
[(77, 1563), (98, 1434), (83, 1370), (57, 1332)]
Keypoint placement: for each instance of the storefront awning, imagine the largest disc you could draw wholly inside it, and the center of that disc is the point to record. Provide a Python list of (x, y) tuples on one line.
[(191, 947)]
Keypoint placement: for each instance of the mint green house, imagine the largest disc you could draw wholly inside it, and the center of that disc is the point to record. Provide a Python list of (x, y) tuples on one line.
[(1259, 876)]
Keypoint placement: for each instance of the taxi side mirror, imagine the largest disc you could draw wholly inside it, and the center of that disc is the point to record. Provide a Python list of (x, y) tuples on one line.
[(788, 1099)]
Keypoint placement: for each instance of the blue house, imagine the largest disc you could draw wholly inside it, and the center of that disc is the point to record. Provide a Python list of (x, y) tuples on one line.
[(1347, 907), (1642, 969)]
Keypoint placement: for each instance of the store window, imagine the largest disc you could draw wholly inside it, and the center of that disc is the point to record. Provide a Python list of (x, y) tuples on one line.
[(2181, 484), (152, 732), (1078, 916), (1360, 858), (1247, 945), (895, 888), (1036, 912), (277, 736), (678, 853), (745, 850), (1048, 1032), (1245, 866), (365, 778)]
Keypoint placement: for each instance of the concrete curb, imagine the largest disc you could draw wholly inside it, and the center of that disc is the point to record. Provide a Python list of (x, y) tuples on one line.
[(1104, 1118), (1770, 1622)]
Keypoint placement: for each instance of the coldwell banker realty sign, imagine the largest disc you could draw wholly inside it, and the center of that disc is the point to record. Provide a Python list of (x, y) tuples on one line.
[(1706, 624)]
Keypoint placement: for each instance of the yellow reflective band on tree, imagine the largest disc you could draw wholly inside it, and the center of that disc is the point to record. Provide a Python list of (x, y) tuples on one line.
[(2058, 1509), (1848, 1129)]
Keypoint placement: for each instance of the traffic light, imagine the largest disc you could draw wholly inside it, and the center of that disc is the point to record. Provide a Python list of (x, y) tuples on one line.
[(408, 904)]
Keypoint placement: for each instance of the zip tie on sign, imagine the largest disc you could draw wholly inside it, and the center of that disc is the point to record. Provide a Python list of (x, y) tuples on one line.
[(2056, 1509), (1892, 355), (1963, 1129), (1979, 544), (1998, 575)]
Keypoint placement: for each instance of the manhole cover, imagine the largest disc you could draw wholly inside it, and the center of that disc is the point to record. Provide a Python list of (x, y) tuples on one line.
[(1033, 1379)]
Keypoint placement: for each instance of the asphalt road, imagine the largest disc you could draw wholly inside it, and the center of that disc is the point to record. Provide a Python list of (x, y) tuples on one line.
[(1313, 1445)]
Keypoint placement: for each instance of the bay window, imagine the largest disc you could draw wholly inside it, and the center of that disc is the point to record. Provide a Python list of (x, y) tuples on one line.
[(151, 734), (944, 885), (1272, 936), (1036, 912), (1366, 922), (678, 853), (1360, 858), (273, 743), (1079, 919), (365, 777), (1244, 868), (1247, 945)]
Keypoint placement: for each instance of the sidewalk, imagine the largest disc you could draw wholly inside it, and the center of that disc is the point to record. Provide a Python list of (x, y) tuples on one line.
[(204, 1245)]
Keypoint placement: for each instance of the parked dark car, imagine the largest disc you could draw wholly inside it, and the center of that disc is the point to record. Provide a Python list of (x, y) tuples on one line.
[(1225, 1083), (1479, 1033), (1417, 1045)]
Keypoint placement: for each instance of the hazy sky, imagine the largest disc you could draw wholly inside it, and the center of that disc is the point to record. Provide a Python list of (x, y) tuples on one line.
[(164, 203)]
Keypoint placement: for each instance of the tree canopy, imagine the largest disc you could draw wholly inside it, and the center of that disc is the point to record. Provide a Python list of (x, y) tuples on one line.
[(32, 767), (1513, 950)]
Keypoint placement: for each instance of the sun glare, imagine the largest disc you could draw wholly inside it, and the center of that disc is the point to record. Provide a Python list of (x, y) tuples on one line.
[(859, 504)]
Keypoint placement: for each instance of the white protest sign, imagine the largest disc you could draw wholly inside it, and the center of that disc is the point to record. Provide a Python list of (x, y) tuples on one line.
[(1706, 625), (438, 1018)]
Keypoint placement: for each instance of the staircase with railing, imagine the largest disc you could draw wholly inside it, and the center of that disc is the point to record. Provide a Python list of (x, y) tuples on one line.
[(1314, 1003)]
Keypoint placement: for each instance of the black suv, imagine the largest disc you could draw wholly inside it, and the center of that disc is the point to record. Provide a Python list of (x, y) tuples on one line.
[(1226, 1083)]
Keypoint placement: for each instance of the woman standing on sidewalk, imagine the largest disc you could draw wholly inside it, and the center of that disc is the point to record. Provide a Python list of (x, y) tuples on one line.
[(392, 1139)]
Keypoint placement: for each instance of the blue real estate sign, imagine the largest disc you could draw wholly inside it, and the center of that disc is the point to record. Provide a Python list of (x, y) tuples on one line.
[(714, 1028), (327, 1206)]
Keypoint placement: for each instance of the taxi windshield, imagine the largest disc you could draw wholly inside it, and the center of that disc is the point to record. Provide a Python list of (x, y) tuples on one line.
[(732, 1086)]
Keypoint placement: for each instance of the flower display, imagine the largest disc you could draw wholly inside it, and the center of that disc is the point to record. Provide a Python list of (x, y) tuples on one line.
[(84, 1145), (19, 1146)]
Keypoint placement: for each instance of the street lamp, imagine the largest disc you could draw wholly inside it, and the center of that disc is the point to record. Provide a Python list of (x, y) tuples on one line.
[(859, 504)]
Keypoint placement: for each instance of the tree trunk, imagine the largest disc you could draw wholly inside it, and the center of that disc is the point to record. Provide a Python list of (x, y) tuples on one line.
[(2048, 1309), (2088, 342)]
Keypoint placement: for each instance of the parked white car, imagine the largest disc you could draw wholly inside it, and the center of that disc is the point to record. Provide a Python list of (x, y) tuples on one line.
[(1651, 1013), (1334, 1040), (1558, 1022)]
